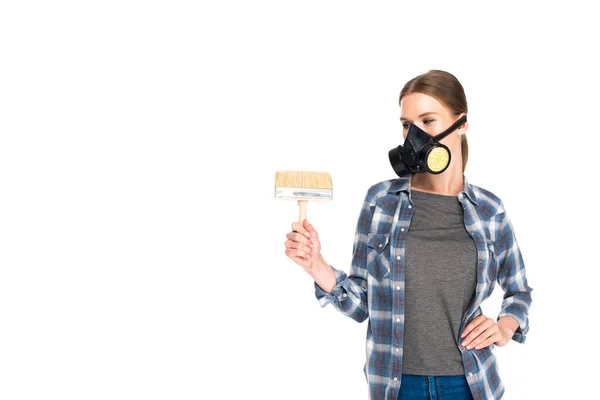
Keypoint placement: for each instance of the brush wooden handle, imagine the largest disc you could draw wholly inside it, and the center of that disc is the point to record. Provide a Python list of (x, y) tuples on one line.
[(302, 205)]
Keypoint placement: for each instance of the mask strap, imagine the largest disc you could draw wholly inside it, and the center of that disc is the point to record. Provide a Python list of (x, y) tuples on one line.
[(448, 131)]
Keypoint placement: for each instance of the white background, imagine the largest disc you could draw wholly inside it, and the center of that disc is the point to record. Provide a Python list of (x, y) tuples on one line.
[(141, 247)]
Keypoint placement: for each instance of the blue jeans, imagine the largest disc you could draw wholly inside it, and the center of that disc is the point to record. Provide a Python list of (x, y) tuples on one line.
[(422, 387)]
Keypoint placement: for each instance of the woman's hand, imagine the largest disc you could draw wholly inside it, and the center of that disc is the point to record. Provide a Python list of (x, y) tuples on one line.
[(303, 245), (483, 331)]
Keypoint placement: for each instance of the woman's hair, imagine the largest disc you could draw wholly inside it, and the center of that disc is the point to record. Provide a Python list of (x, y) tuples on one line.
[(447, 90)]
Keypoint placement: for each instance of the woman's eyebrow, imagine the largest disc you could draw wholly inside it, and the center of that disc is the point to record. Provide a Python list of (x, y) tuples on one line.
[(420, 116), (428, 113)]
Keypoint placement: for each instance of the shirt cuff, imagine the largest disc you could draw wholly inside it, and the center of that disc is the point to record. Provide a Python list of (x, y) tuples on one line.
[(338, 293)]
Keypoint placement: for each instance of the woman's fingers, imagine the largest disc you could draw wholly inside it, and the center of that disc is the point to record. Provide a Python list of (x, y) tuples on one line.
[(481, 326), (298, 237), (471, 325), (300, 256), (311, 229), (297, 227), (295, 253), (301, 248), (480, 343)]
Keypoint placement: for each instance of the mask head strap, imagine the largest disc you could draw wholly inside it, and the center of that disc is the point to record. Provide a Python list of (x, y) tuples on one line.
[(448, 131)]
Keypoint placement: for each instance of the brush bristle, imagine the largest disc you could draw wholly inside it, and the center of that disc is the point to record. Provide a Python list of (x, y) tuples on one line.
[(303, 179)]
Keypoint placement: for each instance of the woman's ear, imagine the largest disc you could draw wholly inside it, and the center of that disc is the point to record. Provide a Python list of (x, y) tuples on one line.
[(463, 128)]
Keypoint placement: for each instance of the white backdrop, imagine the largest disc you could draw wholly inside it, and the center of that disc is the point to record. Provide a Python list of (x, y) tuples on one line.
[(141, 247)]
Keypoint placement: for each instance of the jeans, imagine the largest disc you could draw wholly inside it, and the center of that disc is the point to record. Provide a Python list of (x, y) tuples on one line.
[(422, 387)]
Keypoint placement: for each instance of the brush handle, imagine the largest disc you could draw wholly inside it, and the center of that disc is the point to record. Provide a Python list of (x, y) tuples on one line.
[(302, 205)]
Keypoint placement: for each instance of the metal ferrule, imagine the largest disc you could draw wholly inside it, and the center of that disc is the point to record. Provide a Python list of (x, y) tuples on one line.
[(303, 193)]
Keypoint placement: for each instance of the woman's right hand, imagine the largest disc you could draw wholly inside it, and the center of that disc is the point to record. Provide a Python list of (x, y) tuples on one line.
[(303, 245)]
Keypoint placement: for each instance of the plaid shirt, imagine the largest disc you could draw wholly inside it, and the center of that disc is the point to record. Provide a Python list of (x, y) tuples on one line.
[(374, 288)]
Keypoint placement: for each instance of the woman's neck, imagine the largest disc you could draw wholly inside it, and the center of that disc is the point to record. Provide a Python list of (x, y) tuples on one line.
[(448, 183)]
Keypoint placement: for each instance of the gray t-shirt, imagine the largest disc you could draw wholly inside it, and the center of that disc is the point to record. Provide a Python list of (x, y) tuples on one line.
[(441, 275)]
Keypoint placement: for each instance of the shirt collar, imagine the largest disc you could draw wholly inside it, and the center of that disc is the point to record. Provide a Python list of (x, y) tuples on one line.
[(403, 185)]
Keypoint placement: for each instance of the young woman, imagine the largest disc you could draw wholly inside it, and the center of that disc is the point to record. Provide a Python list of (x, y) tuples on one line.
[(428, 249)]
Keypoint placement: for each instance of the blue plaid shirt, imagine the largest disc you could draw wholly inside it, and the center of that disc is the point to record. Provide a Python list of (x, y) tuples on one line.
[(374, 288)]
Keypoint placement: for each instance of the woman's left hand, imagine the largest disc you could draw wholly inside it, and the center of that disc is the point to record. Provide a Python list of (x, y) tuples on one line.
[(483, 331)]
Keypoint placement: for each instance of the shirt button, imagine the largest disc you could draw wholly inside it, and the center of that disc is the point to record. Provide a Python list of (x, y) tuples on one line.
[(397, 287), (409, 206), (380, 245), (398, 257), (397, 319), (397, 349), (344, 295), (470, 374), (479, 261), (395, 379), (401, 229)]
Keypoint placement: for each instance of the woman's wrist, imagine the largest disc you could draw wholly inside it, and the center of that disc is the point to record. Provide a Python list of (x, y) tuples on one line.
[(323, 275), (507, 325)]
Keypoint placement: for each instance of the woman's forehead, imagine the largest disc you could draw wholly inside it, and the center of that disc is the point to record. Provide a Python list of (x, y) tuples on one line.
[(416, 105)]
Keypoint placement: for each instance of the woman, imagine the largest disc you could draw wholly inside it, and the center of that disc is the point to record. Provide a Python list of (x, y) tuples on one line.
[(428, 249)]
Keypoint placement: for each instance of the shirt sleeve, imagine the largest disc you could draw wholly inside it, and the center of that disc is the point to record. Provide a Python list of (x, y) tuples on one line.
[(349, 295), (512, 279)]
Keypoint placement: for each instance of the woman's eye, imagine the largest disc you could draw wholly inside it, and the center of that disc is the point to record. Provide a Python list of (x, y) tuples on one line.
[(428, 121), (405, 125)]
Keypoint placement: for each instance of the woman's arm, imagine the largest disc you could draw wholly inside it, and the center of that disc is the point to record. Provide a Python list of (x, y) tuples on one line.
[(348, 292), (512, 279)]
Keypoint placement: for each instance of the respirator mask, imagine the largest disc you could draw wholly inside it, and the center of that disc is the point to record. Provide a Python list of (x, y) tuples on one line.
[(422, 152)]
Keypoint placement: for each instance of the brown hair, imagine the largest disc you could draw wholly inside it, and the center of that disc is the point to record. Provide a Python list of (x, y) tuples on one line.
[(446, 89)]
